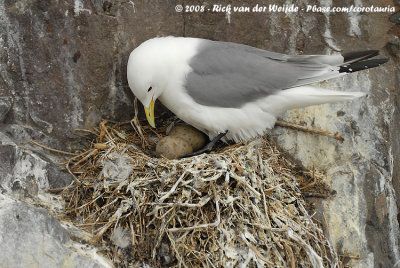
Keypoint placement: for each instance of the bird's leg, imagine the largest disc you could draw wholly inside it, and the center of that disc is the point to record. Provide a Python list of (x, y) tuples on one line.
[(208, 147)]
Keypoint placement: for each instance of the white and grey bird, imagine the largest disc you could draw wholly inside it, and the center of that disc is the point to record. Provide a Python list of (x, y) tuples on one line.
[(220, 87)]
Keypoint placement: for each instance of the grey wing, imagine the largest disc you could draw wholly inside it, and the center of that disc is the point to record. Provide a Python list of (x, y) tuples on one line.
[(231, 75)]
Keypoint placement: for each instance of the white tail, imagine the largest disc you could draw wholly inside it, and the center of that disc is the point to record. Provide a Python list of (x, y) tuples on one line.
[(304, 96)]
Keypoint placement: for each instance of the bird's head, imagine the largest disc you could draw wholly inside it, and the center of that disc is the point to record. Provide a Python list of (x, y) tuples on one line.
[(147, 76)]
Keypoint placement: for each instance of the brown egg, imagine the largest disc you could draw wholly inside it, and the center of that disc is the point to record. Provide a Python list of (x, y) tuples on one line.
[(194, 137), (173, 147)]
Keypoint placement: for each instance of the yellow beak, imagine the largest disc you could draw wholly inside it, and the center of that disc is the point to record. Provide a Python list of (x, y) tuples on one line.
[(150, 114)]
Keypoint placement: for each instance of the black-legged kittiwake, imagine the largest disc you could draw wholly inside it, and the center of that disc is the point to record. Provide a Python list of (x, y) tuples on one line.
[(220, 87)]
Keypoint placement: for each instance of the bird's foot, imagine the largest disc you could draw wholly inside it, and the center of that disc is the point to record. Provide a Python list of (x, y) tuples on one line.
[(208, 147)]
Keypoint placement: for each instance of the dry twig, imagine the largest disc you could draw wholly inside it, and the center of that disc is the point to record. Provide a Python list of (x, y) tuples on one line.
[(336, 136), (51, 149)]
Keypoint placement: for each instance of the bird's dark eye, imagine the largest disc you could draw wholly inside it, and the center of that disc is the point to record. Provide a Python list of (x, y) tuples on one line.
[(150, 88)]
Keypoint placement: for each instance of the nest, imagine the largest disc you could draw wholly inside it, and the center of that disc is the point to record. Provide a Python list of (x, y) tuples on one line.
[(242, 206)]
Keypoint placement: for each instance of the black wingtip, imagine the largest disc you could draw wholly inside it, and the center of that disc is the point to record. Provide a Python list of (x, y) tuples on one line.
[(361, 65), (359, 55)]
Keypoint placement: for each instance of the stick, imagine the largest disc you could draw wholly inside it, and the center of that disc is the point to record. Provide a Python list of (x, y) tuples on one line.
[(243, 181), (86, 130), (216, 223), (349, 256), (136, 124), (104, 132), (336, 136), (51, 149), (102, 231), (57, 190), (316, 195), (310, 184), (93, 152), (75, 157), (173, 188), (291, 256), (189, 205), (254, 249), (91, 202), (232, 146)]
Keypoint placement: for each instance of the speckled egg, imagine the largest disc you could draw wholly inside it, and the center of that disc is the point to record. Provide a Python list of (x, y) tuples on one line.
[(173, 147), (194, 137)]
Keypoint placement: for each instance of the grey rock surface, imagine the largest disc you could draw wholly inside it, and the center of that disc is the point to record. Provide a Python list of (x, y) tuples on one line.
[(70, 57), (362, 218), (395, 18), (63, 65), (24, 172), (5, 106), (31, 237)]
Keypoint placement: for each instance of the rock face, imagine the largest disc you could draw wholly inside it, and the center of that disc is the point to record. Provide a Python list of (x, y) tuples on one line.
[(362, 218), (30, 237), (23, 171), (63, 65)]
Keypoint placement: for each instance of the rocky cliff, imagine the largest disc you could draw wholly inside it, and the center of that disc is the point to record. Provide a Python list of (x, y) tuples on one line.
[(63, 65)]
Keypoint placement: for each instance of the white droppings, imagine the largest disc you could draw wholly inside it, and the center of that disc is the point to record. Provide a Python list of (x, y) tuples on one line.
[(133, 6), (354, 20), (78, 8), (228, 16), (90, 252), (308, 25), (327, 34), (74, 116), (392, 220), (28, 169), (387, 117), (314, 258)]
